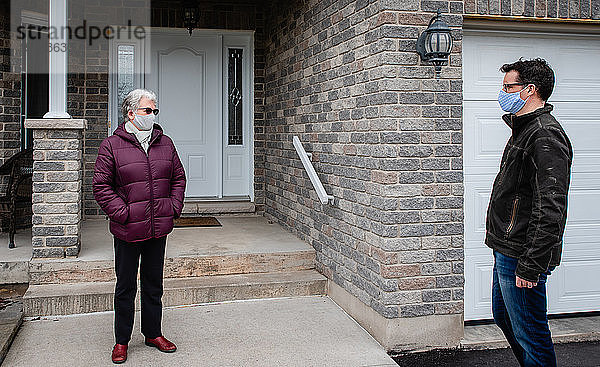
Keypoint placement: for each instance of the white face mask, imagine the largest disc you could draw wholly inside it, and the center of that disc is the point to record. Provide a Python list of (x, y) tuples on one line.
[(144, 122)]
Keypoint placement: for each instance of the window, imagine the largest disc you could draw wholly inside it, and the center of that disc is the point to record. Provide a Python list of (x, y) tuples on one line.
[(234, 92), (125, 74)]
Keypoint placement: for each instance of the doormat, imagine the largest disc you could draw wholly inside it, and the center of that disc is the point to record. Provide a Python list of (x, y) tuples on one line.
[(196, 222)]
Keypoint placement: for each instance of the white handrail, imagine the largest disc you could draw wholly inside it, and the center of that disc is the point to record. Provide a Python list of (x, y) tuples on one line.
[(312, 174)]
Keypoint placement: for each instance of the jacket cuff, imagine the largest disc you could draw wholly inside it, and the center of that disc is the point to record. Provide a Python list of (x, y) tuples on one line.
[(527, 273)]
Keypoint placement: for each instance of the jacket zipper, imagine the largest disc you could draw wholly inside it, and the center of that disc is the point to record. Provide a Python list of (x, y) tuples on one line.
[(151, 185), (501, 173), (513, 216), (147, 153), (151, 195)]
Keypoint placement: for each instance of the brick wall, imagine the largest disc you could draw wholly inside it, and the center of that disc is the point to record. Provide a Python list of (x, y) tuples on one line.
[(10, 107), (386, 141), (88, 88), (578, 9), (10, 87)]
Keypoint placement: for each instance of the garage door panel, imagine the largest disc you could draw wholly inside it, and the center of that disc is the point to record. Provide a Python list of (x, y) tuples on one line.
[(573, 286), (581, 122), (482, 127), (582, 212), (570, 288), (475, 208), (478, 287), (483, 76), (574, 78)]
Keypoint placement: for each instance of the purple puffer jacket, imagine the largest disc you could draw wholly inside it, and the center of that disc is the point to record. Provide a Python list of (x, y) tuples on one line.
[(141, 194)]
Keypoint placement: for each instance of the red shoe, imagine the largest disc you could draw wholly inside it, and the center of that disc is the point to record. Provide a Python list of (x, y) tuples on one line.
[(119, 353), (162, 344)]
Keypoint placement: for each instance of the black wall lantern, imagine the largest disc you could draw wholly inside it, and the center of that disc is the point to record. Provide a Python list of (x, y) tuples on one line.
[(190, 14), (435, 43)]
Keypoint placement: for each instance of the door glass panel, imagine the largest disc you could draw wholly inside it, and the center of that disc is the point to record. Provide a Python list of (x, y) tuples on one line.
[(234, 91), (125, 74)]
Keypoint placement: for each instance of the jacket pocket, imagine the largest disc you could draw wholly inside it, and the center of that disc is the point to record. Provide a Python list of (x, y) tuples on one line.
[(174, 209), (513, 216), (122, 215)]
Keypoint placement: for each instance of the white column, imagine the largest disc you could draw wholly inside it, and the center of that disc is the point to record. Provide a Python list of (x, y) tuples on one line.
[(58, 61)]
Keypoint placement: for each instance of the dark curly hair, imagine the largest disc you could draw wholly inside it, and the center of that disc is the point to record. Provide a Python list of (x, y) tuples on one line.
[(534, 71)]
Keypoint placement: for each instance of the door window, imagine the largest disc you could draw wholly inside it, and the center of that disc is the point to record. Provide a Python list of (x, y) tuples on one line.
[(235, 100)]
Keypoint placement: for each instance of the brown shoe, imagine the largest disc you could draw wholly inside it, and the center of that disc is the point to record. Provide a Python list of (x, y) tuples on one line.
[(119, 353), (162, 344)]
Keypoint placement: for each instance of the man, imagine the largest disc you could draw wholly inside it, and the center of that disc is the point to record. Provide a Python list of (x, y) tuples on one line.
[(527, 212)]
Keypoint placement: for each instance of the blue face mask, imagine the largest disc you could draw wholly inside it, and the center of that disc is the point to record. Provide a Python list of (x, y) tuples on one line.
[(511, 102)]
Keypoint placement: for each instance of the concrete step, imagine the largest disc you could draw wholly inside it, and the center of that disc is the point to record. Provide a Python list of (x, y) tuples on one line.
[(77, 298), (77, 270), (14, 272)]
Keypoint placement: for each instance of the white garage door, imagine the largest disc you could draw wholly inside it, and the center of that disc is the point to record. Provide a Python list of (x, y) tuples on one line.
[(575, 285)]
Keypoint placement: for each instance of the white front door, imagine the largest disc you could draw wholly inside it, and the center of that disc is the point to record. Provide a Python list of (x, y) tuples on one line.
[(185, 75), (204, 88), (573, 286)]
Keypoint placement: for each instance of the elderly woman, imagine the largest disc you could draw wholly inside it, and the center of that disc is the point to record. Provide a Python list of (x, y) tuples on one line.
[(139, 183)]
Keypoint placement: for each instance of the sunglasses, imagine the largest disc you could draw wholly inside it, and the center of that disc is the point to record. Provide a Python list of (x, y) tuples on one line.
[(149, 110)]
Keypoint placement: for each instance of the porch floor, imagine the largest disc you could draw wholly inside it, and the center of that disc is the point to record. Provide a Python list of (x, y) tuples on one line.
[(242, 245), (14, 262), (22, 251), (242, 242), (238, 235)]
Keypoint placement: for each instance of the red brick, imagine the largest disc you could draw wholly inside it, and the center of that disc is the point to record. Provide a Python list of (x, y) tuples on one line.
[(416, 283), (400, 271)]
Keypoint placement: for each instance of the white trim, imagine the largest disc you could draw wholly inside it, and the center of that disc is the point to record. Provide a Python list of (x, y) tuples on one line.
[(244, 41), (220, 144), (527, 34), (58, 61), (251, 148)]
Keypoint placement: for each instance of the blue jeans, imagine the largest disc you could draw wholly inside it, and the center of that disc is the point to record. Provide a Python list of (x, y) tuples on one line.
[(521, 314)]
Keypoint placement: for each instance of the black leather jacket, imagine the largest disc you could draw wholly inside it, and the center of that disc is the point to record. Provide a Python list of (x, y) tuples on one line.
[(528, 207)]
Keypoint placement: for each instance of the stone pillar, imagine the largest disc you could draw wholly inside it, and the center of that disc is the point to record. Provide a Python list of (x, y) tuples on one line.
[(57, 186)]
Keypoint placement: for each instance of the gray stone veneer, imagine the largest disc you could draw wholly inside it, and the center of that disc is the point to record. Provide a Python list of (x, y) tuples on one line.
[(386, 138), (57, 186)]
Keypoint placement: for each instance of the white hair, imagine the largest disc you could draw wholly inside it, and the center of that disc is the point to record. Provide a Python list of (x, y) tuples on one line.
[(132, 100)]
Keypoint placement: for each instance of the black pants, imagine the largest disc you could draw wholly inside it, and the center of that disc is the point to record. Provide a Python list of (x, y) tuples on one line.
[(127, 259)]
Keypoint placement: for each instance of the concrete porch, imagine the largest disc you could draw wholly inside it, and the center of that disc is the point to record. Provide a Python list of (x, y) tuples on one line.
[(248, 257), (192, 251), (14, 262)]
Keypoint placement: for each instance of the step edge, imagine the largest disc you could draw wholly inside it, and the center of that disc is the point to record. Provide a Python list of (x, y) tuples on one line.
[(309, 275), (38, 262)]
